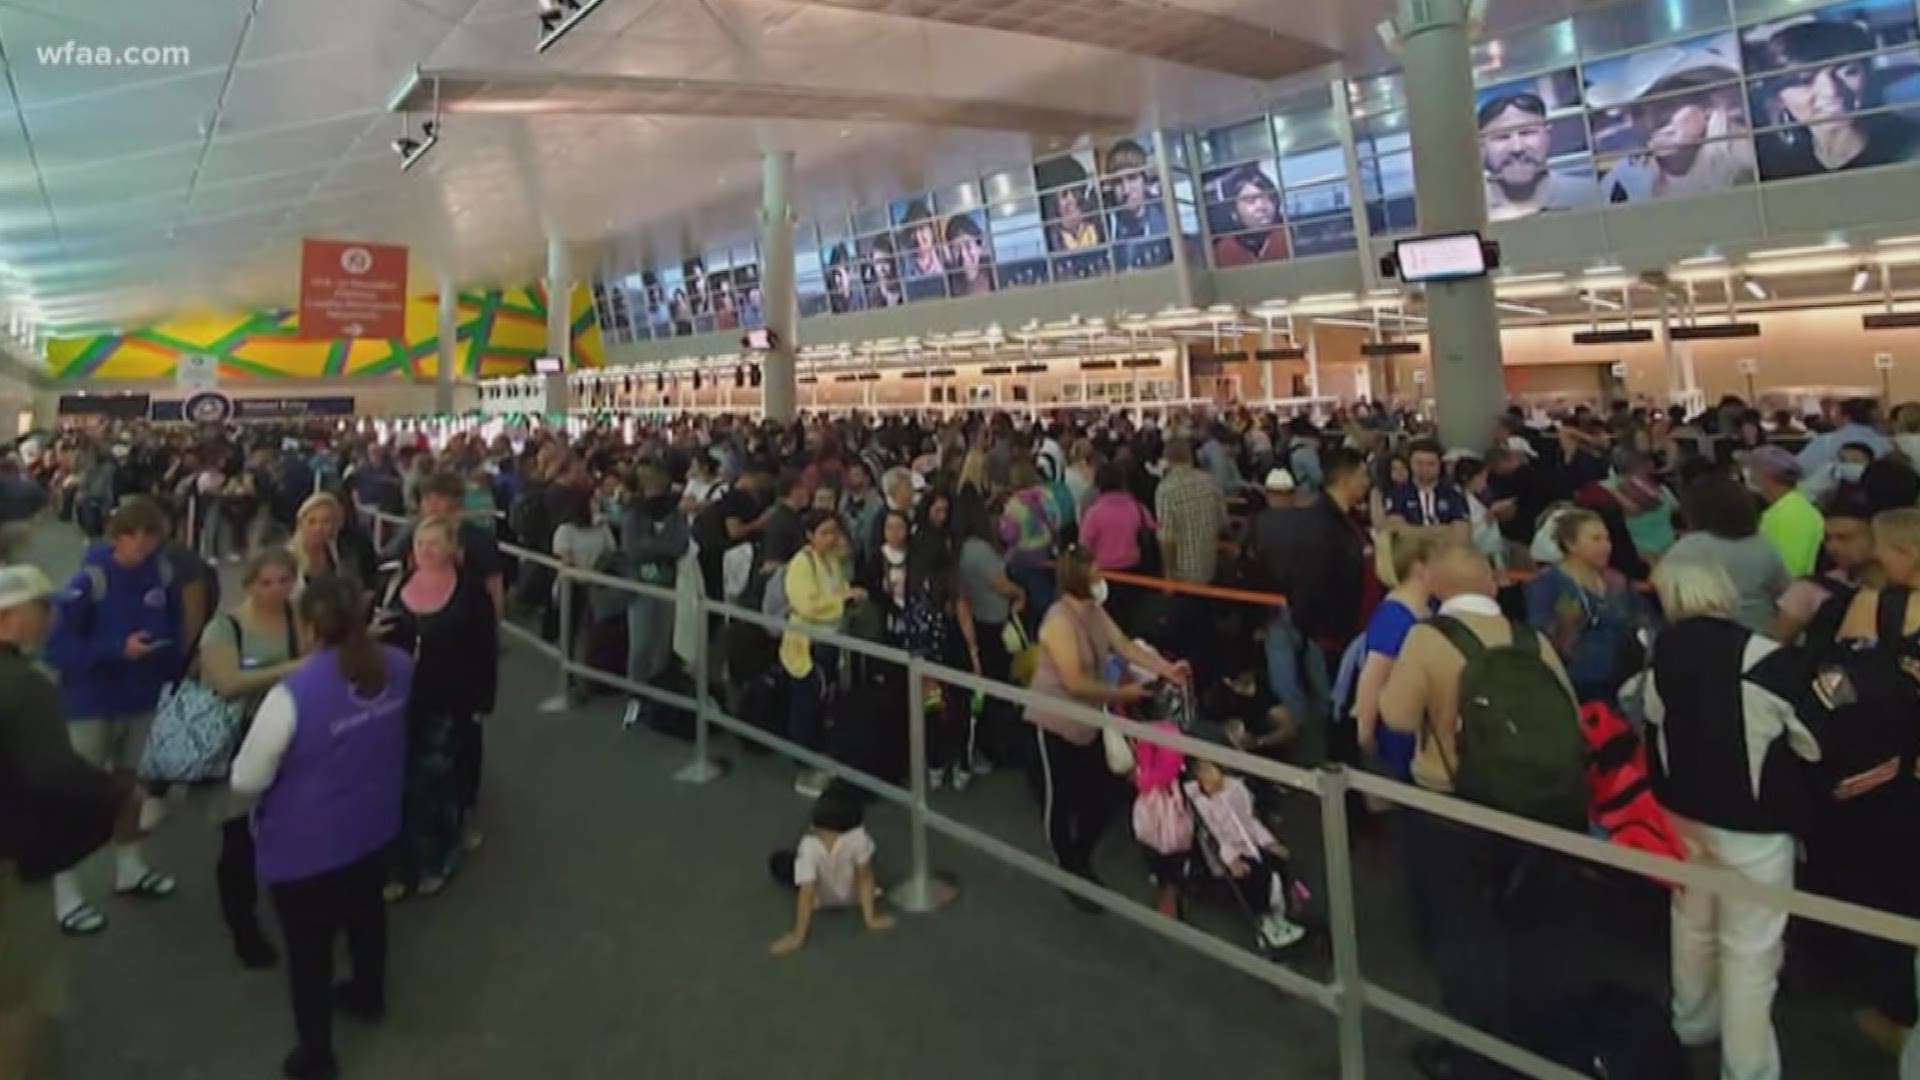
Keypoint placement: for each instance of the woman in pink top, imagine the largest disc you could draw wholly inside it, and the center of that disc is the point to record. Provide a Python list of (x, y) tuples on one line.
[(1079, 794), (1110, 531)]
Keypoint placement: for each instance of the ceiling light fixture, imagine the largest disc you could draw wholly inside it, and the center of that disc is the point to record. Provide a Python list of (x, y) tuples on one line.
[(1862, 277), (1755, 289), (1600, 301), (1806, 249), (1520, 309), (557, 17)]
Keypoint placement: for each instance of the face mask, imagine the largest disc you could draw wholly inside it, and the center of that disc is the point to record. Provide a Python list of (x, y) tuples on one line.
[(895, 556), (1100, 592), (1849, 472)]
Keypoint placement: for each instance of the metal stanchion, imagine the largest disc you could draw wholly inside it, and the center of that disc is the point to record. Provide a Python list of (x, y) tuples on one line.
[(561, 700), (704, 768), (1349, 990), (923, 891)]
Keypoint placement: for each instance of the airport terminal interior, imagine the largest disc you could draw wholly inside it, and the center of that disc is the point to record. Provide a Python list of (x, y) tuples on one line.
[(1218, 364)]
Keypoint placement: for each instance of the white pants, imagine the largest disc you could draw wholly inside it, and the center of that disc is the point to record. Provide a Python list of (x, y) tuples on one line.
[(1727, 953)]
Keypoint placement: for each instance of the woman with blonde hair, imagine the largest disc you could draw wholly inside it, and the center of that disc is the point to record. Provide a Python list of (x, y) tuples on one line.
[(323, 544), (244, 652), (1407, 606), (1728, 752)]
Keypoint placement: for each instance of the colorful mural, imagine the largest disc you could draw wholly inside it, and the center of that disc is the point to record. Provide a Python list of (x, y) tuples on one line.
[(500, 331)]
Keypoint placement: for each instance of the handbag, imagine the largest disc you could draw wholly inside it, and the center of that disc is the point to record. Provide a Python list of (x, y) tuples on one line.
[(1162, 822), (1118, 750), (194, 735)]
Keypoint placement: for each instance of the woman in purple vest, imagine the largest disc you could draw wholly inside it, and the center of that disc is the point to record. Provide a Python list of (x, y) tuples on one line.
[(326, 756)]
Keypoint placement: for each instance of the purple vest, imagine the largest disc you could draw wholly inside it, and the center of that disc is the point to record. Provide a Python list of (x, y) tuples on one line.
[(336, 798)]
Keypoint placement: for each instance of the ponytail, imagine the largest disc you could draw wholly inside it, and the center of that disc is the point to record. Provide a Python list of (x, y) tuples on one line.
[(330, 605)]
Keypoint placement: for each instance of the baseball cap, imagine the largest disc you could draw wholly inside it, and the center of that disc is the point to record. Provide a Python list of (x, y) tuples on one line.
[(23, 585), (1279, 480), (1641, 73), (1774, 461)]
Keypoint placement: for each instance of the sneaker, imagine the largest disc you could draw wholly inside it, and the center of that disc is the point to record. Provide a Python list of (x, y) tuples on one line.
[(937, 779), (811, 782), (1277, 933), (630, 719), (978, 765), (961, 779)]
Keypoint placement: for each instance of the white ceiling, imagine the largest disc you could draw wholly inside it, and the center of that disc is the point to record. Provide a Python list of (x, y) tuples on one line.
[(127, 193)]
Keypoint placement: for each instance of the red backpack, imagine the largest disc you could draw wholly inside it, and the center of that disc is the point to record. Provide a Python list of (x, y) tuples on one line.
[(1619, 797)]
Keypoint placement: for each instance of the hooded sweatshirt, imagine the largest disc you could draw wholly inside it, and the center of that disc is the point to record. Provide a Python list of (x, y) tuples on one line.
[(91, 627)]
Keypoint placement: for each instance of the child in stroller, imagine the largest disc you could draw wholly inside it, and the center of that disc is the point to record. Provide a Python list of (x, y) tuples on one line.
[(1179, 801)]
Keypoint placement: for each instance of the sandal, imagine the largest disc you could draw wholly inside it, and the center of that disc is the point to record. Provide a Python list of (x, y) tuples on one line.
[(83, 921), (152, 885)]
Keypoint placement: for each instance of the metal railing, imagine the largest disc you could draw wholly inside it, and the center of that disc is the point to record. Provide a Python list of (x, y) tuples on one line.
[(1348, 995)]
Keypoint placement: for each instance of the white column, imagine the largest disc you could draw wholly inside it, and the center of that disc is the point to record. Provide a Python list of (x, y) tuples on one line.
[(1464, 332), (448, 335), (778, 387), (559, 323)]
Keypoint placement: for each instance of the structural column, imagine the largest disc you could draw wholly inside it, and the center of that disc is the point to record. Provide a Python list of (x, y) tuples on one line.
[(1464, 326), (449, 338), (559, 323), (1170, 204), (778, 376)]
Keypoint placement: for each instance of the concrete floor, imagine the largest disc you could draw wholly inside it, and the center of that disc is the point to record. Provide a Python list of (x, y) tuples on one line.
[(616, 925)]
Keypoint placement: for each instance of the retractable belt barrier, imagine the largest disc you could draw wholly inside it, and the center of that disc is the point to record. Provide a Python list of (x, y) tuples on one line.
[(1347, 997)]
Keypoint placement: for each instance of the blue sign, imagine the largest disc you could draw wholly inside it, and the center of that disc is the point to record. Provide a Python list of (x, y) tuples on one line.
[(209, 407)]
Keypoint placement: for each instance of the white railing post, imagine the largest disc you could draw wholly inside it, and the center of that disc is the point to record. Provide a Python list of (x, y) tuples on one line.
[(922, 892), (1349, 987), (704, 768), (561, 700)]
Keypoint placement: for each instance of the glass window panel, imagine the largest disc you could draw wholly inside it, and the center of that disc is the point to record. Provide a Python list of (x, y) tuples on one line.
[(1676, 120), (1387, 177), (746, 253), (1386, 126), (1379, 94), (1395, 215), (1189, 219), (1023, 274), (1240, 142), (1816, 39), (1683, 170), (1612, 28), (962, 196), (1177, 149), (1537, 48), (871, 219), (1087, 264), (1074, 170), (1323, 236), (1249, 246), (1313, 167), (1014, 245), (1305, 131), (1841, 145), (1019, 214), (1558, 91), (1005, 185), (968, 256), (1319, 199), (1713, 59)]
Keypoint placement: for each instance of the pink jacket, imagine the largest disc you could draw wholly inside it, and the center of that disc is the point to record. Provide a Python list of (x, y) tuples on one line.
[(1238, 833), (1156, 766)]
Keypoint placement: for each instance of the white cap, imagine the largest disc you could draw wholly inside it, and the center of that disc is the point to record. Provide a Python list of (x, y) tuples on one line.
[(23, 585), (1519, 445), (1279, 480), (1643, 71)]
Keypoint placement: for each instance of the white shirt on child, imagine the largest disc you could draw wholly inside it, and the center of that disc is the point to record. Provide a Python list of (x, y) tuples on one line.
[(833, 871)]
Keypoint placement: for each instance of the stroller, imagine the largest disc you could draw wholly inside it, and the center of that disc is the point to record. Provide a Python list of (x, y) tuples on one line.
[(1188, 815)]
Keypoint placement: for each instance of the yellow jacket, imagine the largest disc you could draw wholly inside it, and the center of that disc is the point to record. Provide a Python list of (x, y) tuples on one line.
[(816, 594)]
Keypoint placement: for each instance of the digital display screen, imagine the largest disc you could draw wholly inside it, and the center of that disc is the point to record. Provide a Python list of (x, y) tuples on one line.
[(548, 365), (1441, 258)]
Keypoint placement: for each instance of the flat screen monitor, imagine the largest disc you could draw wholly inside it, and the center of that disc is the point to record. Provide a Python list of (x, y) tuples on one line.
[(548, 365), (1450, 257)]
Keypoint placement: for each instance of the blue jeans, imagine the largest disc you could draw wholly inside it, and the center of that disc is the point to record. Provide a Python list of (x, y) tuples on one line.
[(1295, 669)]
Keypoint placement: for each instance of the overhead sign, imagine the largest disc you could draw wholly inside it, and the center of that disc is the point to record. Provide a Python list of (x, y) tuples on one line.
[(174, 410), (196, 373), (352, 290)]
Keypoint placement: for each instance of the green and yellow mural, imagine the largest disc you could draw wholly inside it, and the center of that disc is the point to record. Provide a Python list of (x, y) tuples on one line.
[(500, 332)]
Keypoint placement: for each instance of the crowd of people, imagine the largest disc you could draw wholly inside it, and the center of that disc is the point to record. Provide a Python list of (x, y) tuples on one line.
[(1735, 590)]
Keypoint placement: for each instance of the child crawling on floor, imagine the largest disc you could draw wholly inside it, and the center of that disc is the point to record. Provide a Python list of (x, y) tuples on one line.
[(832, 867)]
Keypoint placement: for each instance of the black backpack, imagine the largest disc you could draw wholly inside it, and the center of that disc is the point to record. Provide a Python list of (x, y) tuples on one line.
[(1867, 729), (529, 520)]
